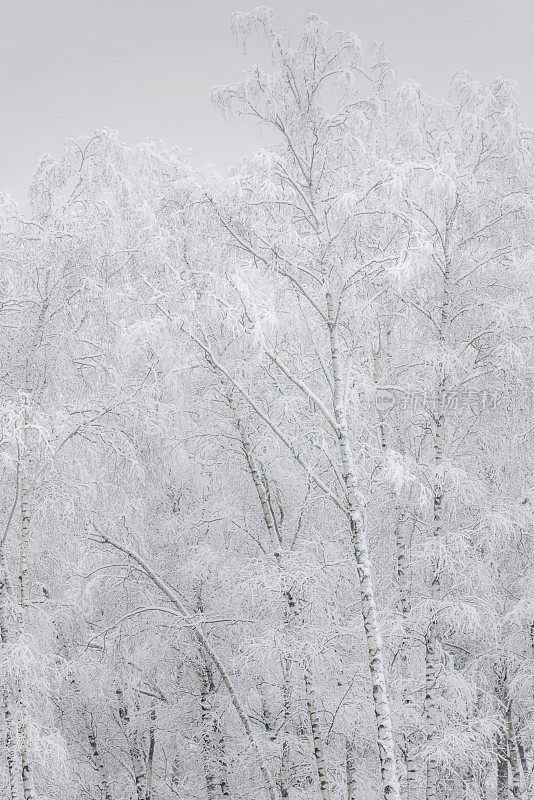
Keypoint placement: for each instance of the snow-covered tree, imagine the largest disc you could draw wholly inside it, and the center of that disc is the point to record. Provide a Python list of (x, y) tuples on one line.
[(267, 450)]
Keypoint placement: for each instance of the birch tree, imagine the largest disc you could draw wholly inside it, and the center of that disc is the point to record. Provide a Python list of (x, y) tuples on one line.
[(266, 449)]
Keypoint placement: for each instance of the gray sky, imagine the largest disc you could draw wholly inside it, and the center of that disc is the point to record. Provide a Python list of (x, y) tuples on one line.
[(145, 67)]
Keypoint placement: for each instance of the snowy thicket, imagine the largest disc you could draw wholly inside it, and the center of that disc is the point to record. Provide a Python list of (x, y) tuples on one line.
[(267, 451)]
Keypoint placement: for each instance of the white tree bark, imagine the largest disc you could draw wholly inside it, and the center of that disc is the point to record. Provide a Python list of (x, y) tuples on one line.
[(8, 700), (432, 641), (318, 748), (28, 787), (410, 736), (513, 756), (502, 765), (386, 745), (134, 747), (410, 762), (350, 771), (151, 750), (213, 745), (223, 766), (207, 730), (98, 762), (286, 729)]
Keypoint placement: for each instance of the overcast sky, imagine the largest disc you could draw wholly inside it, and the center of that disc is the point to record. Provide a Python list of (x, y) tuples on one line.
[(68, 67)]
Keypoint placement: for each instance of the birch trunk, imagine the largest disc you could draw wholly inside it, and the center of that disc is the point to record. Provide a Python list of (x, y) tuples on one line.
[(98, 763), (26, 764), (131, 736), (10, 743), (410, 737), (432, 643), (213, 739), (28, 787), (150, 756), (11, 729), (350, 771), (26, 457), (502, 766), (316, 734), (430, 708), (207, 743), (175, 775), (404, 606), (223, 766), (266, 714), (274, 536), (522, 756), (502, 736), (386, 745), (285, 765), (512, 752)]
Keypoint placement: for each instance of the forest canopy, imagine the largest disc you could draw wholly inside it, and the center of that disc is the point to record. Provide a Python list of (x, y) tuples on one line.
[(267, 449)]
